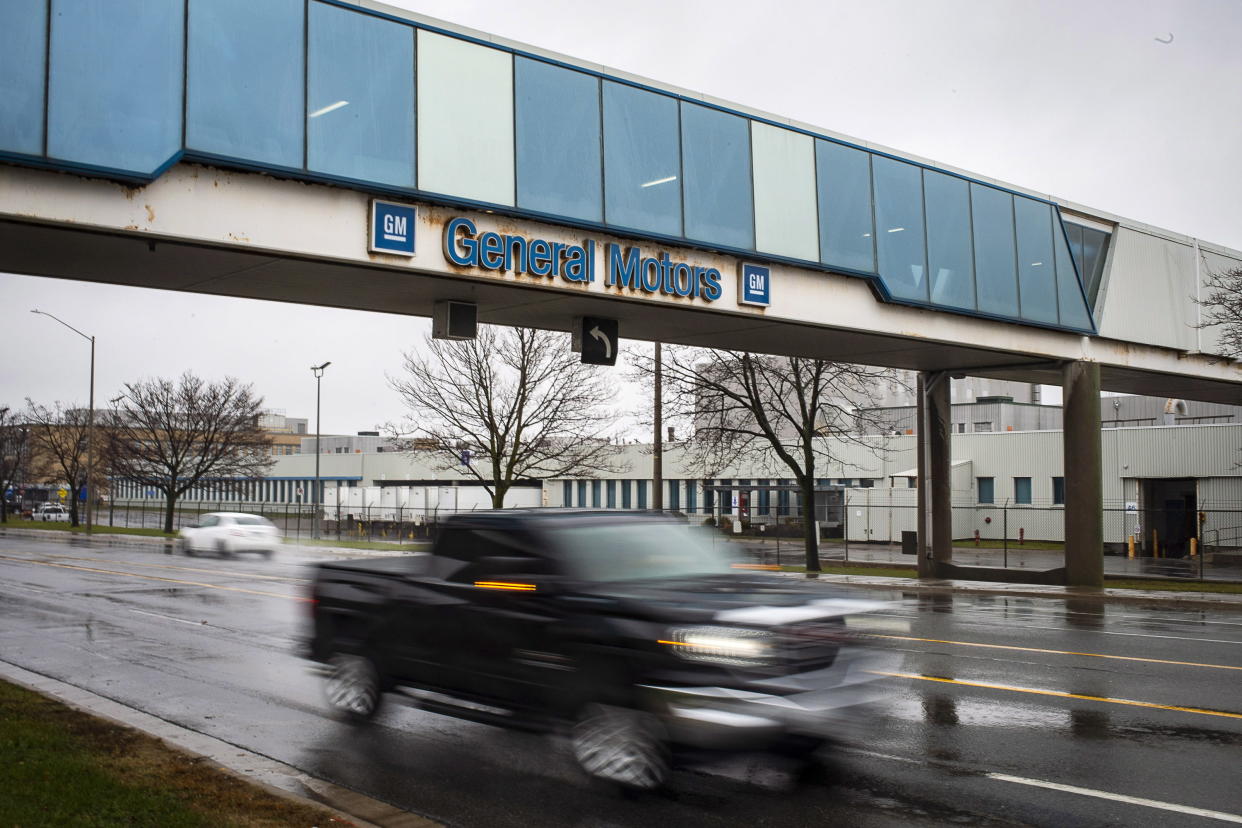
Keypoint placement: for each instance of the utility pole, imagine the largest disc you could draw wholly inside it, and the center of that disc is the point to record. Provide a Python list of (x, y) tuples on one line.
[(657, 456), (317, 370), (90, 421)]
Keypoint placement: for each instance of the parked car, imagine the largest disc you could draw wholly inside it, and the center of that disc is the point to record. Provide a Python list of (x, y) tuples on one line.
[(227, 533), (51, 511), (628, 633)]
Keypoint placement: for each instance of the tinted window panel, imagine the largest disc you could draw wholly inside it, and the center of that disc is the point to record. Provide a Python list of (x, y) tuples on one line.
[(899, 227), (1094, 248), (642, 166), (558, 146), (1036, 270), (785, 215), (465, 119), (360, 99), (995, 274), (115, 85), (23, 30), (843, 178), (245, 80), (715, 149), (949, 257), (986, 494), (1074, 313), (1022, 490)]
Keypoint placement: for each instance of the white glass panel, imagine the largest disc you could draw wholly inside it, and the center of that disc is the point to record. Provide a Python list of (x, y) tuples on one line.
[(786, 222), (465, 119)]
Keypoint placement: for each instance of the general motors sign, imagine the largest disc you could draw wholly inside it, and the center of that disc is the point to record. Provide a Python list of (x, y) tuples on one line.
[(392, 228)]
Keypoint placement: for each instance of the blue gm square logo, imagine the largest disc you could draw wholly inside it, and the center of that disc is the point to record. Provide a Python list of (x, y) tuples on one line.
[(392, 228), (754, 285)]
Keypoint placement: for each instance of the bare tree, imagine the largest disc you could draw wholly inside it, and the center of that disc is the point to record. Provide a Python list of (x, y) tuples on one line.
[(172, 435), (773, 410), (518, 400), (1223, 307), (14, 455), (58, 437)]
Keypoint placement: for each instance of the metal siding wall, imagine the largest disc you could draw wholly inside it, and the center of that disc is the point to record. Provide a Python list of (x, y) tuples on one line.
[(1150, 291), (1185, 451)]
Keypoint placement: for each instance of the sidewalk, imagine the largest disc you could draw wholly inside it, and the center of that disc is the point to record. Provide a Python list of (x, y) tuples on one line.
[(1218, 567), (1218, 600)]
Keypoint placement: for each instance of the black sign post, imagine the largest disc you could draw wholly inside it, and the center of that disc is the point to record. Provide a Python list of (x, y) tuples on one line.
[(598, 337)]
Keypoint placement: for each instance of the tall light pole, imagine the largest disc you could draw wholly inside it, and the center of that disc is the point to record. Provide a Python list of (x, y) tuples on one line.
[(90, 422), (317, 370)]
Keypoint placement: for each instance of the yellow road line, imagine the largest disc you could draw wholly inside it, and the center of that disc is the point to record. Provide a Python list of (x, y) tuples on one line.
[(154, 578), (1057, 652), (1132, 703), (184, 569)]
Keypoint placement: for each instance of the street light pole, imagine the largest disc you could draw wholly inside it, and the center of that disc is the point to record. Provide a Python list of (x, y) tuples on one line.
[(90, 421), (317, 370)]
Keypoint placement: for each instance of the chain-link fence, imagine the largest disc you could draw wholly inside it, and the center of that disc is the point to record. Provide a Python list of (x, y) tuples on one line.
[(859, 526)]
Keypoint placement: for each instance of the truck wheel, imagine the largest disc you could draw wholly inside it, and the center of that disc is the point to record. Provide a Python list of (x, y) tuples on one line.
[(621, 746), (353, 687)]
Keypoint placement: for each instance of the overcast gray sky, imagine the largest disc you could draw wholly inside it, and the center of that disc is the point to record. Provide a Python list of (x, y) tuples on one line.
[(1076, 99)]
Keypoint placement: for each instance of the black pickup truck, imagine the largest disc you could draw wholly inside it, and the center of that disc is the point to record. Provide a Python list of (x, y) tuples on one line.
[(631, 633)]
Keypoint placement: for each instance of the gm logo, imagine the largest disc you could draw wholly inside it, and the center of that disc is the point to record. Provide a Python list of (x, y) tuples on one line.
[(392, 228), (754, 285)]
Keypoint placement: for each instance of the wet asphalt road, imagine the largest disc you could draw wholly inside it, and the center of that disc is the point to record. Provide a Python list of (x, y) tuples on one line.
[(1009, 697)]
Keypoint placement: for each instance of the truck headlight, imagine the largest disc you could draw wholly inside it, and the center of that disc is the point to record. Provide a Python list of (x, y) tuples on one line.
[(721, 645)]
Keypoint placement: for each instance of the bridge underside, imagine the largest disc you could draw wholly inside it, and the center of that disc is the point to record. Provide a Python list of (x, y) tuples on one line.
[(59, 251)]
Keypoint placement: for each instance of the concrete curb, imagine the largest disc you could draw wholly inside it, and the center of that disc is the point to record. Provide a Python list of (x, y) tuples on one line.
[(1217, 600), (275, 777)]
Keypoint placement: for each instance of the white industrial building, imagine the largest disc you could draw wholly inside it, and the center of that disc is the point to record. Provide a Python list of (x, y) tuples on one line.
[(1181, 481)]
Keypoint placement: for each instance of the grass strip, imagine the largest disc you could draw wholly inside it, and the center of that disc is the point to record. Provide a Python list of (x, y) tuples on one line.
[(60, 766)]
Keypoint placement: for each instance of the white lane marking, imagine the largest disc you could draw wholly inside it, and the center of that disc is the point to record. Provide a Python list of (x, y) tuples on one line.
[(1115, 797), (1056, 786), (166, 617)]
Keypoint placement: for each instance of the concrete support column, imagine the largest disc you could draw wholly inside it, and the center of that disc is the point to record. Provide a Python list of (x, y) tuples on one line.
[(935, 473), (1084, 485)]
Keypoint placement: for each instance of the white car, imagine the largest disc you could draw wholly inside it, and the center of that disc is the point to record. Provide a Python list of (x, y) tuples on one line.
[(227, 533), (51, 511)]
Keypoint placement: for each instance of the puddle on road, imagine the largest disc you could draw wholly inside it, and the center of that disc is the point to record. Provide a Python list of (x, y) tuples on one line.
[(945, 710)]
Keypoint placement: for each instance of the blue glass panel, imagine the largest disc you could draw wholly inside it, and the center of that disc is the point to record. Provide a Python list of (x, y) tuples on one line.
[(625, 494), (1070, 299), (642, 160), (558, 149), (642, 494), (245, 93), (843, 177), (899, 227), (23, 41), (360, 96), (996, 279), (1022, 490), (985, 490), (1037, 277), (715, 149), (949, 256), (114, 91)]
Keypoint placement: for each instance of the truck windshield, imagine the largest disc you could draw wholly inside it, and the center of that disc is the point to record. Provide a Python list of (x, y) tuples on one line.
[(640, 549)]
